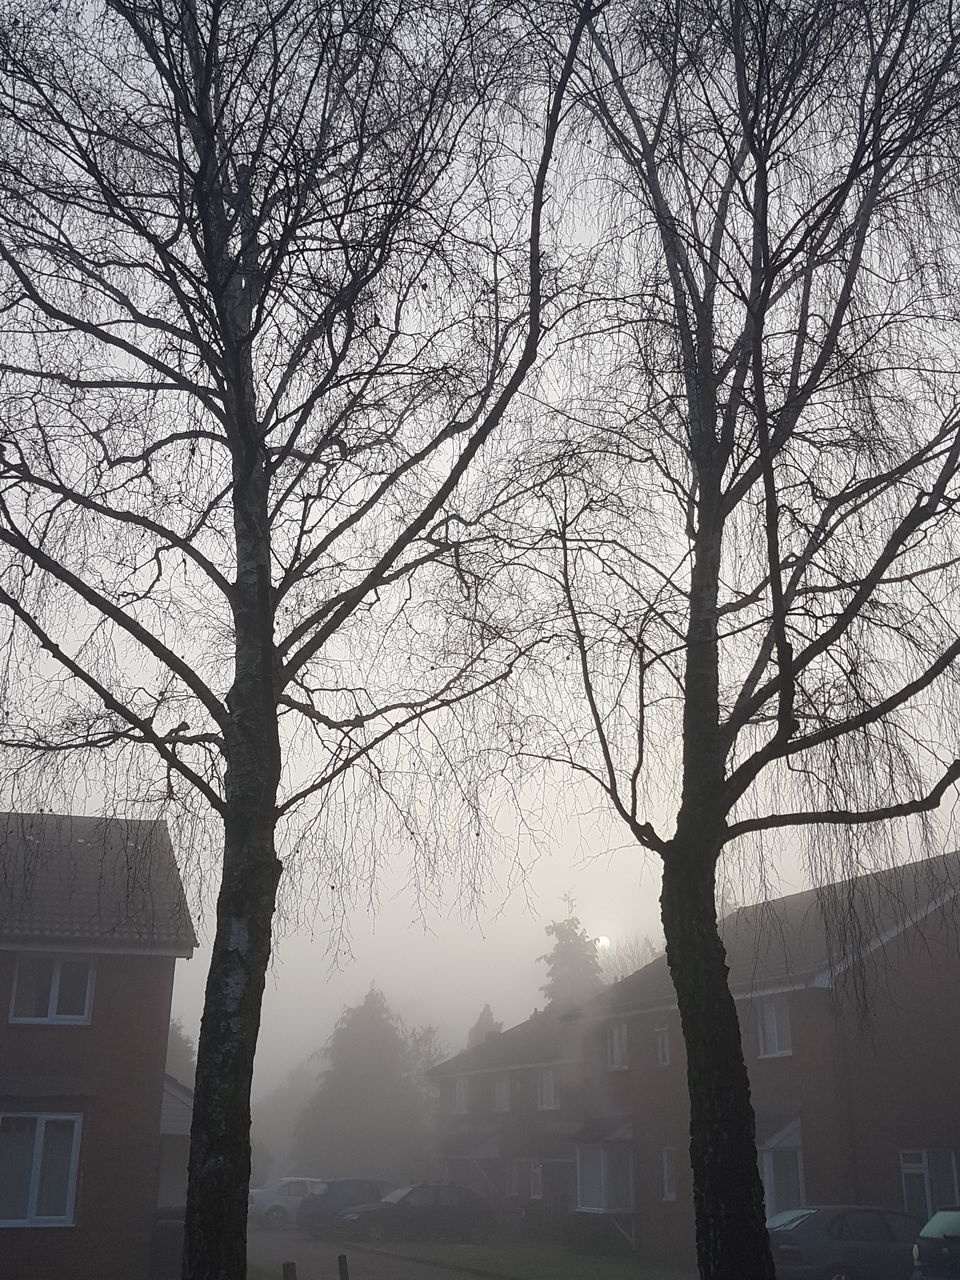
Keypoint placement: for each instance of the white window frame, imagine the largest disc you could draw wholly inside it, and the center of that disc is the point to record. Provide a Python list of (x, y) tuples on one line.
[(52, 1017), (662, 1035), (668, 1174), (548, 1098), (33, 1219), (774, 1034), (617, 1046), (501, 1092), (604, 1206), (461, 1095), (789, 1138), (922, 1169)]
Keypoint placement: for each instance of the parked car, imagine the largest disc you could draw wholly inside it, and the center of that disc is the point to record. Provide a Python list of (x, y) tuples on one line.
[(278, 1202), (842, 1242), (936, 1254), (318, 1210), (427, 1210)]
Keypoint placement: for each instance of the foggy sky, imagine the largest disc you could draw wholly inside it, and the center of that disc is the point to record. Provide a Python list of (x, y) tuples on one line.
[(442, 968)]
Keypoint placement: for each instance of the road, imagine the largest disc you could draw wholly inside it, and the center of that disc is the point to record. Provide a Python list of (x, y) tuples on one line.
[(317, 1259)]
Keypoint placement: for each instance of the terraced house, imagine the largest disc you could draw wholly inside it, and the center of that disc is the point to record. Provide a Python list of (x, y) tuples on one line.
[(851, 1031), (92, 921)]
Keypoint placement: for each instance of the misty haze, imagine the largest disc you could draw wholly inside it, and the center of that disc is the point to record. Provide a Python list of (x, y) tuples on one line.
[(479, 565)]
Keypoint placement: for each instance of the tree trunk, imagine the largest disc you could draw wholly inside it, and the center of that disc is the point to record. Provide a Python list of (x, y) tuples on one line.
[(219, 1176), (732, 1242), (216, 1224)]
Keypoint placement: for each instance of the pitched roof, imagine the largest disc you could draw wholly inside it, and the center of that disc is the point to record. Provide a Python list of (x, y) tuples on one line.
[(790, 939), (111, 881), (544, 1038)]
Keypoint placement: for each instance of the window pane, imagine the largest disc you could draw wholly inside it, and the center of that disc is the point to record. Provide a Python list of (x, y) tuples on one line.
[(72, 997), (786, 1178), (866, 1225), (55, 1169), (904, 1229), (915, 1194), (590, 1177), (943, 1186), (420, 1198), (773, 1024), (781, 1011), (668, 1172), (34, 979), (663, 1045), (17, 1135)]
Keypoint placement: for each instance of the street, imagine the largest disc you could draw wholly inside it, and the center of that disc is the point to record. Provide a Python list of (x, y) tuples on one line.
[(317, 1259)]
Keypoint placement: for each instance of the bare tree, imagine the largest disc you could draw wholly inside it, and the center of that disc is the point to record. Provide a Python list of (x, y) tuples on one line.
[(748, 508), (271, 276), (626, 955)]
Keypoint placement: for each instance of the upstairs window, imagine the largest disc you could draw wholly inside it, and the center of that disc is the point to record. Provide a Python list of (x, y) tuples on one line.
[(501, 1093), (617, 1047), (461, 1095), (773, 1027), (662, 1034), (49, 988), (547, 1099), (38, 1169)]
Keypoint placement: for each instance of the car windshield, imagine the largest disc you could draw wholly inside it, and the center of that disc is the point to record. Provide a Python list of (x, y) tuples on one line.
[(789, 1219), (943, 1224), (393, 1196)]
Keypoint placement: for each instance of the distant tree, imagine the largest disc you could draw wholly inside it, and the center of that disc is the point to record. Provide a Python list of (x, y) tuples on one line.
[(181, 1054), (371, 1114), (626, 955), (485, 1026), (573, 970)]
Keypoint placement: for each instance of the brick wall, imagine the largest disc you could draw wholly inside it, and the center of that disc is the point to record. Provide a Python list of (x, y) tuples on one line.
[(112, 1073)]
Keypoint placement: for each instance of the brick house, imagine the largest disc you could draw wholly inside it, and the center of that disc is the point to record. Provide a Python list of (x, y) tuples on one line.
[(851, 1032), (92, 920)]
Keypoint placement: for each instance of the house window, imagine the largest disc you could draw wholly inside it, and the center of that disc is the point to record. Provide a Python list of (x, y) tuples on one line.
[(547, 1099), (929, 1180), (780, 1161), (38, 1169), (662, 1033), (536, 1180), (773, 1027), (501, 1093), (668, 1173), (617, 1047), (461, 1095), (590, 1179), (604, 1178), (49, 988)]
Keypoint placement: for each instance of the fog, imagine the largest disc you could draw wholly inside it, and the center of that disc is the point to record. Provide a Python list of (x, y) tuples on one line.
[(435, 963), (439, 963)]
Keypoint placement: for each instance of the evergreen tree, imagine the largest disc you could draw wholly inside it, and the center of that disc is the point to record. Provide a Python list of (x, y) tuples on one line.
[(181, 1054), (484, 1027), (573, 970), (371, 1115)]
